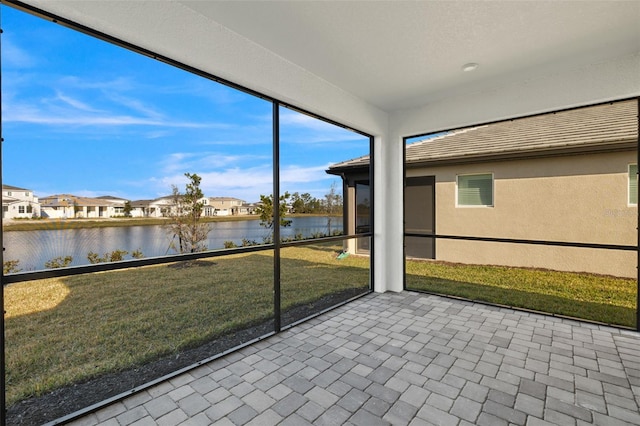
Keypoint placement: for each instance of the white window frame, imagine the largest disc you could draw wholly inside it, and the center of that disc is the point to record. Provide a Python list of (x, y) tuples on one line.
[(629, 183), (493, 191)]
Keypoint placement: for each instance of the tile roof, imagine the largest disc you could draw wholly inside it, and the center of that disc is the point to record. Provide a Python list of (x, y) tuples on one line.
[(68, 200), (13, 188), (224, 199), (606, 127)]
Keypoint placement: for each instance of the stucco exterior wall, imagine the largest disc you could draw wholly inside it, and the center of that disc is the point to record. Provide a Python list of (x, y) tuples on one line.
[(590, 84), (581, 198)]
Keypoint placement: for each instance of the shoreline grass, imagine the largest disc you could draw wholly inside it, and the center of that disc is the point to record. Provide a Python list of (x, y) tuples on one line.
[(57, 224)]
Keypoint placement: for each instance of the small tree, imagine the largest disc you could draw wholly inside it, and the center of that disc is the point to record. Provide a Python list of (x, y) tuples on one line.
[(297, 203), (185, 214), (333, 204), (127, 209), (333, 201), (265, 210)]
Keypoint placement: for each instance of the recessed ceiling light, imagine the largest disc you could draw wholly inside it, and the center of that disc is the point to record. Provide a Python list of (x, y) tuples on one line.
[(470, 66)]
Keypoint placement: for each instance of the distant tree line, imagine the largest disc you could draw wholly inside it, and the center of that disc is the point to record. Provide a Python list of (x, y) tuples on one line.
[(304, 203)]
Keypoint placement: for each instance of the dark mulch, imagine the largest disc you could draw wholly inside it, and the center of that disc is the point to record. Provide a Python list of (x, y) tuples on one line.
[(67, 400), (190, 263)]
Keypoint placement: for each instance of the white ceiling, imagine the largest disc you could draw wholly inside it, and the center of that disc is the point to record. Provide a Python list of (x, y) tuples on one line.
[(401, 54)]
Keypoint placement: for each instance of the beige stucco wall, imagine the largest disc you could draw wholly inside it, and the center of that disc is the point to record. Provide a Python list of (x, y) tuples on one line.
[(580, 198)]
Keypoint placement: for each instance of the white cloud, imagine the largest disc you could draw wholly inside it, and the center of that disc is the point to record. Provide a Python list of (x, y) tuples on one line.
[(120, 84), (213, 92), (249, 183), (234, 182), (303, 129), (77, 116), (75, 103), (135, 105), (237, 141), (292, 118), (205, 161), (297, 174), (15, 57), (107, 106), (157, 134)]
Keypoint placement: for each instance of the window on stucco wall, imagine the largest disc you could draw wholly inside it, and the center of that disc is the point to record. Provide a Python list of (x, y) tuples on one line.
[(475, 190)]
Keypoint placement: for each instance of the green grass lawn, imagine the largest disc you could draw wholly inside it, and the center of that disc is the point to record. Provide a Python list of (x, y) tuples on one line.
[(64, 330), (593, 297)]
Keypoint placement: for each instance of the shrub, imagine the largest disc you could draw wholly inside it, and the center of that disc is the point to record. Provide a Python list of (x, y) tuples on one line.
[(114, 256), (10, 267), (58, 262), (94, 257)]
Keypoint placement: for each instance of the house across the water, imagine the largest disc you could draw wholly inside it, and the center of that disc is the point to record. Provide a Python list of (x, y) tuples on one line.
[(569, 176), (68, 206), (19, 203)]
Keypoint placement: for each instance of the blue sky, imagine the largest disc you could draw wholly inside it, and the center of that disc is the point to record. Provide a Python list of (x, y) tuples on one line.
[(82, 116)]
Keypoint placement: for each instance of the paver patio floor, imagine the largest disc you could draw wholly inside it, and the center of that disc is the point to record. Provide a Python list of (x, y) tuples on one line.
[(407, 358)]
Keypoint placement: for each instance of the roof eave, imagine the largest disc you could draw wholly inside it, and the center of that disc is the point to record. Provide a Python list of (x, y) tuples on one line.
[(340, 170), (628, 145)]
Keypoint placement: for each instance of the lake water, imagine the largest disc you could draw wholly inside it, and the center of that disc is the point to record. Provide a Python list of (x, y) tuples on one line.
[(34, 248)]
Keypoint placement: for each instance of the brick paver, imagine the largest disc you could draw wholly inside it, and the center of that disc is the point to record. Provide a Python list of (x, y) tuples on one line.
[(407, 359)]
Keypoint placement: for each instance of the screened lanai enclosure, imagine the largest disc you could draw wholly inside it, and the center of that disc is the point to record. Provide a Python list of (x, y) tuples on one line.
[(182, 179), (98, 325), (538, 213)]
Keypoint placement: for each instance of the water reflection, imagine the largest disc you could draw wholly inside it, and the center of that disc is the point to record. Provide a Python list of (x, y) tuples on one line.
[(34, 248)]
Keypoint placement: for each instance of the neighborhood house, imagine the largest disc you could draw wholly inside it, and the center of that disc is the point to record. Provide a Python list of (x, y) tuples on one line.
[(212, 206), (22, 203), (65, 206), (227, 206), (569, 176), (19, 203)]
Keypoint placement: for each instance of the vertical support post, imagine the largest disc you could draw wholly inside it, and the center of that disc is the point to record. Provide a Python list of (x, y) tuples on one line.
[(638, 225), (404, 213), (345, 205), (3, 390), (372, 212), (276, 218)]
